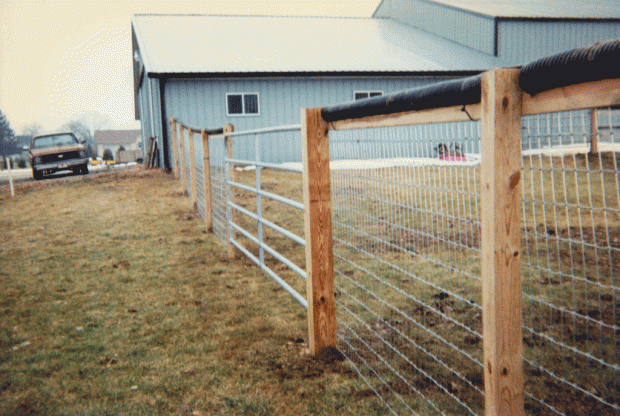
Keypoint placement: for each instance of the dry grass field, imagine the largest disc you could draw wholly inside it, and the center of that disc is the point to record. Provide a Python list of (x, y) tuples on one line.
[(115, 301)]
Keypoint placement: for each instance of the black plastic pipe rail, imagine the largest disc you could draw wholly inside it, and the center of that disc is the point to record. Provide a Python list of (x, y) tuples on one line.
[(592, 63)]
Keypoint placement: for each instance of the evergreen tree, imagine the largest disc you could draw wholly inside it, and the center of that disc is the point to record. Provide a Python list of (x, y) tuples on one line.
[(7, 137), (107, 155), (90, 152)]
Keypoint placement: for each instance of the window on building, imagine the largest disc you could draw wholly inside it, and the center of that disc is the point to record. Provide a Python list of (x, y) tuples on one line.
[(242, 104), (360, 95)]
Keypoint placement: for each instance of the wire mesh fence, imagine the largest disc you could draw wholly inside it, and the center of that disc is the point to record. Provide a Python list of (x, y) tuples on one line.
[(409, 242), (217, 154), (187, 172), (407, 264), (407, 271), (199, 175), (571, 243)]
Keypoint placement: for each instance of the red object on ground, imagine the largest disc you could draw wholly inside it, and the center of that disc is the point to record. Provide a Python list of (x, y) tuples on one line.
[(453, 158)]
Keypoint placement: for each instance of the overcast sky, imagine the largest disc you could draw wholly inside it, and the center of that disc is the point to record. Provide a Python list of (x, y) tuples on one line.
[(60, 59)]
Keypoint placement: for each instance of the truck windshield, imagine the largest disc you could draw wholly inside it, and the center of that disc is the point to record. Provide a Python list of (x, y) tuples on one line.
[(54, 140)]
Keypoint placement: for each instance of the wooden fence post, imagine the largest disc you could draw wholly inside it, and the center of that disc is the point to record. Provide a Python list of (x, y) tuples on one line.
[(230, 169), (8, 166), (175, 152), (182, 157), (206, 164), (501, 242), (593, 132), (192, 167), (318, 231)]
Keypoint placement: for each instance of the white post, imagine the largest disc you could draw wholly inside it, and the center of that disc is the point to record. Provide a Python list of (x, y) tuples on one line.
[(8, 164)]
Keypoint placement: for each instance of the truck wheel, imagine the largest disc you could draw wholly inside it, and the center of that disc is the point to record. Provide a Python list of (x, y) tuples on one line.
[(84, 169), (37, 174)]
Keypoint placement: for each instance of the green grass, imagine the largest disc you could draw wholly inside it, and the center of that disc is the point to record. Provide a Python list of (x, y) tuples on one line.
[(115, 301)]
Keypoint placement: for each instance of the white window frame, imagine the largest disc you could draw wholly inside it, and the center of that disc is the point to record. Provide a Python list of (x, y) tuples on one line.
[(243, 113), (365, 92)]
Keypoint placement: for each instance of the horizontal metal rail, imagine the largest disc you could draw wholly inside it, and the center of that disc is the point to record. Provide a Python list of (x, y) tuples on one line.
[(269, 224), (271, 274), (264, 165), (275, 197), (271, 251), (277, 129)]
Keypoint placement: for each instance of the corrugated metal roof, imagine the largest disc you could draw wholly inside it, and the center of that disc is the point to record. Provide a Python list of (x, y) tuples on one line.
[(248, 44), (545, 9)]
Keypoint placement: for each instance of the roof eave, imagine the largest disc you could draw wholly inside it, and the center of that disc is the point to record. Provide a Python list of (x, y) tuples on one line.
[(305, 74), (559, 19)]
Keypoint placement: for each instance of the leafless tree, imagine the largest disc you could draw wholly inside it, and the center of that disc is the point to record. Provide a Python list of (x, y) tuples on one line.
[(32, 129)]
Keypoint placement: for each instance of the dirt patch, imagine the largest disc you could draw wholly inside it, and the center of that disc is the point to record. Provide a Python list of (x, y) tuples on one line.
[(305, 366), (567, 401), (580, 327), (593, 253), (329, 355), (188, 215), (599, 235)]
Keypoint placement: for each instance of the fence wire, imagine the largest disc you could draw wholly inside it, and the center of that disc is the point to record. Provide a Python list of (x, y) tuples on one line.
[(571, 266), (217, 154), (186, 163), (200, 175), (406, 228)]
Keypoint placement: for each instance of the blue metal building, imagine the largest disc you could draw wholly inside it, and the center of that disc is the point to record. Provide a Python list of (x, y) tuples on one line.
[(253, 72), (514, 31)]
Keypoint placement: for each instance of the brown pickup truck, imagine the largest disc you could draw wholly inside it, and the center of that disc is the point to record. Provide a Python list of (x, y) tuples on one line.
[(49, 153)]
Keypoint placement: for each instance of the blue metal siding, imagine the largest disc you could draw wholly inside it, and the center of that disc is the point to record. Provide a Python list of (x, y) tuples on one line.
[(156, 120), (467, 28), (523, 9), (201, 103), (151, 115), (145, 114), (522, 41)]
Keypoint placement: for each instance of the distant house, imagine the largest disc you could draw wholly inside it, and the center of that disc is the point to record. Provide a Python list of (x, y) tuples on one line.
[(114, 139), (253, 72)]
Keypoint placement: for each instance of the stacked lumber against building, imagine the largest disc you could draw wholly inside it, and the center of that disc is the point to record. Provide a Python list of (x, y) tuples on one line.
[(151, 159)]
